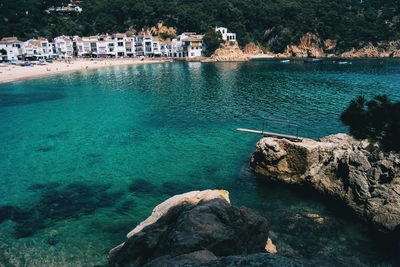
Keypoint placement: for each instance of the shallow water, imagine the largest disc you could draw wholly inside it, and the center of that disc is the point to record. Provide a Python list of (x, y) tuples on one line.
[(85, 156)]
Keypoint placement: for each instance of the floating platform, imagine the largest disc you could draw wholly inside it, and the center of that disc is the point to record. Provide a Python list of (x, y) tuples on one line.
[(278, 135)]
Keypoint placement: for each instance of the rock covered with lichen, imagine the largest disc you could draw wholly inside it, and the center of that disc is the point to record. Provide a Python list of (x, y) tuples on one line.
[(354, 172)]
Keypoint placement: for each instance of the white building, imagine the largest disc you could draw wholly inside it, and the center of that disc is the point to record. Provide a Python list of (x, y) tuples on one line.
[(192, 44), (176, 48), (10, 48), (39, 49), (226, 36), (64, 46), (105, 45), (151, 46)]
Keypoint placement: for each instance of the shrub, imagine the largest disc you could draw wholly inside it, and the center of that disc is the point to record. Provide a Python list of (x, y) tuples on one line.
[(377, 119)]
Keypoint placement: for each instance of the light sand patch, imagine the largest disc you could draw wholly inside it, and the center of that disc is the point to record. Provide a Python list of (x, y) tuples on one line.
[(14, 73)]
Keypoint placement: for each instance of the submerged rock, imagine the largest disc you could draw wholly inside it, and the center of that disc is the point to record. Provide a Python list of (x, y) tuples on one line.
[(360, 175), (196, 228)]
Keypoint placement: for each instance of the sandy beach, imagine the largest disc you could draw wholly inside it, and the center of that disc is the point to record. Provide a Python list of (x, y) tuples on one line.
[(10, 73)]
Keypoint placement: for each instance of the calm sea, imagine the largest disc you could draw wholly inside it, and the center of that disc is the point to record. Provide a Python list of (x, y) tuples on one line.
[(85, 156)]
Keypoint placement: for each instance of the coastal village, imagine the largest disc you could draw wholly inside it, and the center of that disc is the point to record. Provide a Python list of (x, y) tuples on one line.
[(119, 45), (124, 148)]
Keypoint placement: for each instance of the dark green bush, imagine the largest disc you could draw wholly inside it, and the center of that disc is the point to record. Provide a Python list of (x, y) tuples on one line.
[(377, 119)]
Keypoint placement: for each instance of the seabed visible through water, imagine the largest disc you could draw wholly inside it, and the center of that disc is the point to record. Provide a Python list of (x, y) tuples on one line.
[(86, 156)]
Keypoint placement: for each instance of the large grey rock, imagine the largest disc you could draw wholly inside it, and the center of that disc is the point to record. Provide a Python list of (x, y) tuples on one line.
[(355, 172), (196, 225)]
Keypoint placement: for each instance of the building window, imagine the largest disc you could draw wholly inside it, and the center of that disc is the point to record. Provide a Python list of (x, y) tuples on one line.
[(120, 44)]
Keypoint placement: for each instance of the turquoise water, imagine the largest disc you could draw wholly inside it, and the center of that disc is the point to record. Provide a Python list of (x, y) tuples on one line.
[(85, 156)]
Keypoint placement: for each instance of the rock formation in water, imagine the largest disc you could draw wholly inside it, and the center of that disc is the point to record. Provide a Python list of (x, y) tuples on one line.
[(229, 51), (200, 228), (381, 50), (311, 45), (356, 172)]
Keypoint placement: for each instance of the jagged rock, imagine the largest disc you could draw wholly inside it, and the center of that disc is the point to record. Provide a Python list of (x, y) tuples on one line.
[(200, 225), (309, 46), (229, 51), (381, 50), (355, 172), (270, 247), (252, 49)]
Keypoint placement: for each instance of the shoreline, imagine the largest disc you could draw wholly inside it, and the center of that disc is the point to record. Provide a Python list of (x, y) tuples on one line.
[(15, 73)]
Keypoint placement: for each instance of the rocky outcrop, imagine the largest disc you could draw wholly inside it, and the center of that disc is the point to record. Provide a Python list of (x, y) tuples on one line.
[(196, 228), (229, 51), (355, 172), (252, 49), (381, 50), (310, 46)]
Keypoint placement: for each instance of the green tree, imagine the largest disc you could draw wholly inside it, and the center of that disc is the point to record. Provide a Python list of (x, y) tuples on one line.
[(212, 39), (377, 119)]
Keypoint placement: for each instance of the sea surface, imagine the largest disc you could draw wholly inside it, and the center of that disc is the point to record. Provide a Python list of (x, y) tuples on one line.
[(86, 156)]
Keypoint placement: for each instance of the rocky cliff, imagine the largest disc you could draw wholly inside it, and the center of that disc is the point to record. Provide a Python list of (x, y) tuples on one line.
[(252, 49), (381, 50), (200, 228), (310, 45), (229, 51), (354, 172)]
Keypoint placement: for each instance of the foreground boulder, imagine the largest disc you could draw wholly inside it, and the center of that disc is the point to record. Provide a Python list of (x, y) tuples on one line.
[(195, 228), (355, 172)]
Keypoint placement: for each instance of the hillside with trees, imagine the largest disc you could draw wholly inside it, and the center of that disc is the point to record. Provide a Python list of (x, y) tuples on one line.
[(271, 23)]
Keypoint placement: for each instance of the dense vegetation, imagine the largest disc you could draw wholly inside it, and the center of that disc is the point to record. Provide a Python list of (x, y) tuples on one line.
[(378, 120), (272, 23)]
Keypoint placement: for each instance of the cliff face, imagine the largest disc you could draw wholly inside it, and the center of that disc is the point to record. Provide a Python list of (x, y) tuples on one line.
[(312, 46), (200, 228), (351, 171)]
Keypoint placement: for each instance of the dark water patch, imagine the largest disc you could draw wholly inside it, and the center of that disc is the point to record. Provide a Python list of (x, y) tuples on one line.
[(45, 149), (172, 188), (40, 186), (126, 206), (93, 159), (321, 228), (120, 228), (8, 100), (61, 134), (307, 231), (57, 204), (141, 186), (94, 155), (6, 212)]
